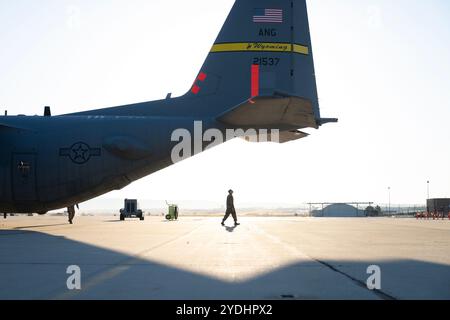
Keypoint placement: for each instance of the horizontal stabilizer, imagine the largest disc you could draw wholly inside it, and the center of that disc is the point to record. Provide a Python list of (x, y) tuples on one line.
[(323, 121), (283, 113), (287, 136)]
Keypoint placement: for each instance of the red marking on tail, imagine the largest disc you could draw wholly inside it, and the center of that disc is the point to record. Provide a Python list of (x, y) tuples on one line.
[(195, 89), (255, 80), (201, 77)]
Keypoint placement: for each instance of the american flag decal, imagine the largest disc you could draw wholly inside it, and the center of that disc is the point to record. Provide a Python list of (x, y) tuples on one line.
[(268, 16)]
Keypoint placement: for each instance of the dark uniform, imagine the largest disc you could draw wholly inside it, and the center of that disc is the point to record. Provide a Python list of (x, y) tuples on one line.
[(71, 212), (230, 209)]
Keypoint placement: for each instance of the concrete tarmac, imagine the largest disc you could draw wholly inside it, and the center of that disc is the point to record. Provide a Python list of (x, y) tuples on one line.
[(197, 258)]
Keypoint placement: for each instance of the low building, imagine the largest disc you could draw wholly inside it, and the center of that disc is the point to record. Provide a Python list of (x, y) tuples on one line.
[(441, 206), (339, 210)]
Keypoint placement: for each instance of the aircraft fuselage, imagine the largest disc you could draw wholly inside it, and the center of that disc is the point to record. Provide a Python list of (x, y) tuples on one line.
[(48, 163)]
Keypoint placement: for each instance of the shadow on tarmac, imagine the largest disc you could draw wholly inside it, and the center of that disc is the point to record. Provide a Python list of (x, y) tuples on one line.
[(33, 265), (230, 229)]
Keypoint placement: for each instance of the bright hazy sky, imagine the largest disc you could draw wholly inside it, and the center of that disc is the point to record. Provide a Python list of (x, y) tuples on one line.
[(383, 68)]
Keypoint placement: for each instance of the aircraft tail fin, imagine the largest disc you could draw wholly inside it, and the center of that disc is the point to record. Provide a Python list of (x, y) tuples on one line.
[(262, 55), (260, 66)]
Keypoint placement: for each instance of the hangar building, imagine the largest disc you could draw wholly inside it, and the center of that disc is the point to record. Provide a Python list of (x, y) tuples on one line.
[(340, 210)]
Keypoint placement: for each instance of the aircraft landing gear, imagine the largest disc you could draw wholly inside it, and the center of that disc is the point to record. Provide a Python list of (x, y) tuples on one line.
[(5, 215)]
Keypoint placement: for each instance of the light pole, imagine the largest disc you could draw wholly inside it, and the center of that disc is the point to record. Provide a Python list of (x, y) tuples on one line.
[(389, 190), (428, 189)]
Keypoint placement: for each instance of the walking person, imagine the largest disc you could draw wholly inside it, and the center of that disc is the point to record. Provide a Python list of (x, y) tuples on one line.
[(230, 209)]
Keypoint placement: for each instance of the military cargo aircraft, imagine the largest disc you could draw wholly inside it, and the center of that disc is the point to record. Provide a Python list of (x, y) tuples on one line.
[(258, 74)]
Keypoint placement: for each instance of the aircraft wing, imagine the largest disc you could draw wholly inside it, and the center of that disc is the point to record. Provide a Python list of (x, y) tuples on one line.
[(6, 126)]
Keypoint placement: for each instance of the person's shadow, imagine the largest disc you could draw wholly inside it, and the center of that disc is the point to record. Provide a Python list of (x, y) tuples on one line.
[(230, 229)]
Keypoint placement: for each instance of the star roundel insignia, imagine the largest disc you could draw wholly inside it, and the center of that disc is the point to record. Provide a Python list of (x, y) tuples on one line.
[(80, 153)]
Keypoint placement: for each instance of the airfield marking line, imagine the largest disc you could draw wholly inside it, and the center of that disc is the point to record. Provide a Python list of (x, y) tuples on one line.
[(294, 251), (358, 282), (30, 229), (297, 252), (229, 255), (114, 270), (21, 228)]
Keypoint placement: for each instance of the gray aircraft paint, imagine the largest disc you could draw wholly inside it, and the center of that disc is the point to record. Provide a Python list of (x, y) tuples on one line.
[(52, 162)]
